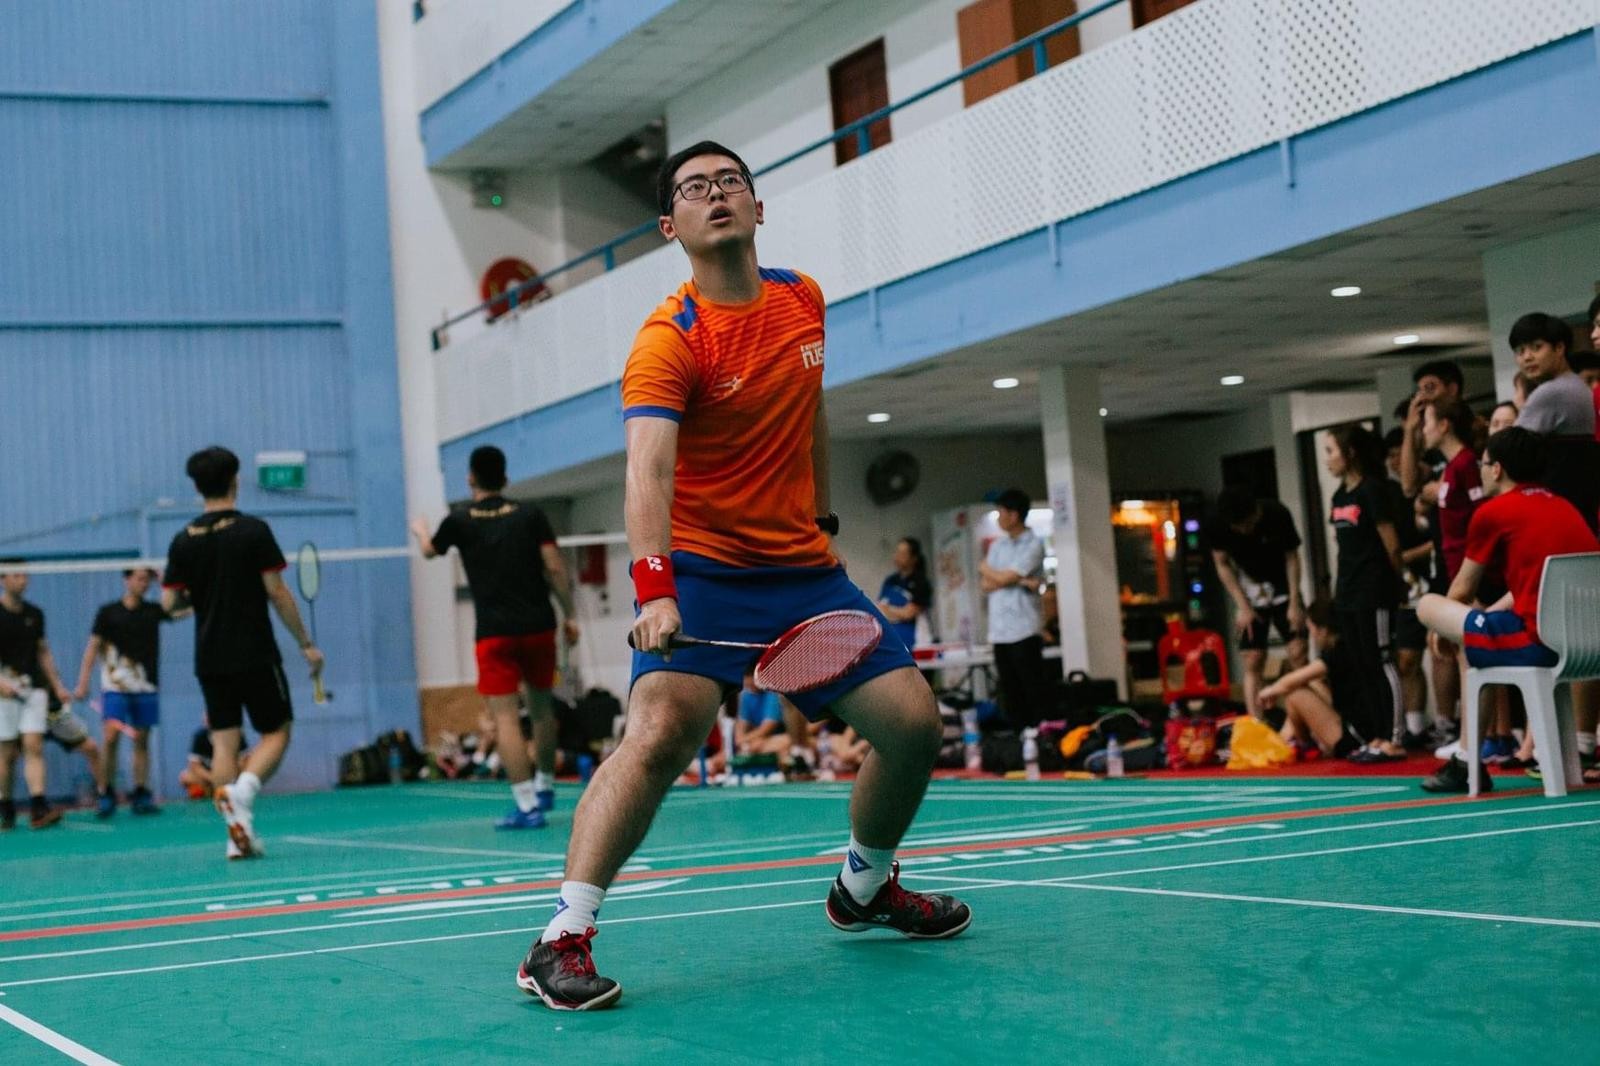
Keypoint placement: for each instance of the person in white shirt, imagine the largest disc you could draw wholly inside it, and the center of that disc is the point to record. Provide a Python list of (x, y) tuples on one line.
[(1011, 574)]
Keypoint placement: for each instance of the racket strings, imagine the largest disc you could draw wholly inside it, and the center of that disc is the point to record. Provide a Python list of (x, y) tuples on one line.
[(818, 652)]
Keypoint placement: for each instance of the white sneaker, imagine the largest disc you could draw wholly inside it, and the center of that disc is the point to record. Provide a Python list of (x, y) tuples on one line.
[(1449, 751), (240, 820)]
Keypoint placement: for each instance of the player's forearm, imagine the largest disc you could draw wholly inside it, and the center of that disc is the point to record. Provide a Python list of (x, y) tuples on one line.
[(1302, 677), (822, 495), (283, 602), (90, 654), (560, 582), (1296, 596), (47, 665), (1230, 581)]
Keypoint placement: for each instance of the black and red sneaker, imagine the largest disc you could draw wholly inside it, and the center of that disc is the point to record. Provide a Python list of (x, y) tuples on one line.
[(919, 915), (562, 974)]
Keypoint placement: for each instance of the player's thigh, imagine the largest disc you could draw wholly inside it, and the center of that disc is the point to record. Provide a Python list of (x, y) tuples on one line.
[(266, 699), (893, 710), (668, 709)]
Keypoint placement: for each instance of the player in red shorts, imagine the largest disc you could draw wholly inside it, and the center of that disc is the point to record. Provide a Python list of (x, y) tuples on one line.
[(513, 566), (727, 515)]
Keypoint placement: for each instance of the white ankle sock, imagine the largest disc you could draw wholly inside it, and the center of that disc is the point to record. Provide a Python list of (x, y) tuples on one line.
[(523, 793), (1415, 722), (1586, 743), (576, 910), (865, 870), (246, 787), (542, 781)]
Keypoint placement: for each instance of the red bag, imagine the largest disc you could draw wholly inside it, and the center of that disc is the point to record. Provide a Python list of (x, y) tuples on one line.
[(1191, 742)]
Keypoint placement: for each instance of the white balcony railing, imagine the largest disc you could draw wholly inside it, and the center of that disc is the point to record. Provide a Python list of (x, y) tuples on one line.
[(1212, 82)]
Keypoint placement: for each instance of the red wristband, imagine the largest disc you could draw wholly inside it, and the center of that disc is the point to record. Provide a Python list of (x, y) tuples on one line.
[(652, 579)]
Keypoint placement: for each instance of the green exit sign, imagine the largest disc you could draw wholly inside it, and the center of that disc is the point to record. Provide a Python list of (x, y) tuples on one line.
[(281, 471)]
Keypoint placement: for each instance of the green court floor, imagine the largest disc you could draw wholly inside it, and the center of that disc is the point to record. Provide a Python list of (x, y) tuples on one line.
[(1265, 921)]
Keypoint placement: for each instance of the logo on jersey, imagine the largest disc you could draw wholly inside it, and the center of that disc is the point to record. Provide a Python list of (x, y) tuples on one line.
[(731, 385), (1348, 515), (811, 355)]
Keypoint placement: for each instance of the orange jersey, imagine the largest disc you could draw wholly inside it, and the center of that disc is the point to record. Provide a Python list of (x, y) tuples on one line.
[(743, 382)]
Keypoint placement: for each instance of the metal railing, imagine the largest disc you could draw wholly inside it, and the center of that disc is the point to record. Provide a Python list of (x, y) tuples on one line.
[(1035, 43)]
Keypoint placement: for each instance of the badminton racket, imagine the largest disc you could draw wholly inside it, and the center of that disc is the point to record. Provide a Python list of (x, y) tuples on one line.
[(816, 652), (308, 574)]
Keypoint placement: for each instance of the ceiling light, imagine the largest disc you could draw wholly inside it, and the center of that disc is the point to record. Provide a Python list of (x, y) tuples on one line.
[(1407, 338), (1345, 290), (1006, 383), (878, 417), (1103, 412), (1232, 379)]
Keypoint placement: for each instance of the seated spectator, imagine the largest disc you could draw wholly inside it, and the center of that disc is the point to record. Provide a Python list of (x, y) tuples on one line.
[(759, 729), (1520, 526), (1311, 695)]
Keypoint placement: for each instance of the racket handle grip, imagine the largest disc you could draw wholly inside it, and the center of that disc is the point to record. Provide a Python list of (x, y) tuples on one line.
[(677, 640)]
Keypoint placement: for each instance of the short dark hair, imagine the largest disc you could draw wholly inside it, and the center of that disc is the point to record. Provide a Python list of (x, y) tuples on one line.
[(1235, 504), (1402, 409), (1394, 438), (1521, 453), (1538, 326), (212, 470), (1015, 500), (1446, 370), (1594, 309), (1456, 414), (488, 466), (1581, 361), (130, 571), (665, 186)]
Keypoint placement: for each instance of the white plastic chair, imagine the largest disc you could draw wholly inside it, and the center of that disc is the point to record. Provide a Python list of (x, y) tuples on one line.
[(1569, 624)]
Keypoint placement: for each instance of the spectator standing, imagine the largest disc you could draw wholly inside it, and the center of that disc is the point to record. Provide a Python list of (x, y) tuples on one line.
[(1010, 574), (906, 594), (1256, 549)]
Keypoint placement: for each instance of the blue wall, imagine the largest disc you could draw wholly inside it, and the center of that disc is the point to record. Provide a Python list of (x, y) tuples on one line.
[(194, 250)]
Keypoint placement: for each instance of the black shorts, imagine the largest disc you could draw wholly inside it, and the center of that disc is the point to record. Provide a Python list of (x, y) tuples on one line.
[(264, 692), (1409, 632), (1277, 617)]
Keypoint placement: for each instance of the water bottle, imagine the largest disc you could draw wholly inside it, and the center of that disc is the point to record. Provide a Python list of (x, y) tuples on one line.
[(1114, 758), (394, 762), (969, 739), (825, 763), (1030, 753)]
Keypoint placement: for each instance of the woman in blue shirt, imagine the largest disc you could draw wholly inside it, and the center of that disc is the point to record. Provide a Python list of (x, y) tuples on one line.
[(906, 593)]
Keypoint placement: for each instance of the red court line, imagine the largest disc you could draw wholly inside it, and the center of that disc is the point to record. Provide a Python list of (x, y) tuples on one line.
[(742, 867)]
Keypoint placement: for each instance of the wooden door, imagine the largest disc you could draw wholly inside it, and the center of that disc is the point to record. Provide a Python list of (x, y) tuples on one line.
[(1146, 11), (859, 85), (988, 26)]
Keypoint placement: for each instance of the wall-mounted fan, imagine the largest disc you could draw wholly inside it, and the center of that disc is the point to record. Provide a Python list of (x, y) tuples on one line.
[(892, 476)]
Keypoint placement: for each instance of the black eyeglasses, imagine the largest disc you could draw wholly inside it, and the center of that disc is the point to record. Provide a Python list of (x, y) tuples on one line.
[(730, 182)]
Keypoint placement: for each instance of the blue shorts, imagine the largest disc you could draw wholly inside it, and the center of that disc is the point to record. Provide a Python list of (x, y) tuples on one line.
[(141, 710), (759, 604), (1499, 638)]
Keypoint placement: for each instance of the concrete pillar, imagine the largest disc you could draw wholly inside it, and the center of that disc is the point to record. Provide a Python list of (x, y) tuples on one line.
[(1394, 384), (1558, 273), (1080, 497)]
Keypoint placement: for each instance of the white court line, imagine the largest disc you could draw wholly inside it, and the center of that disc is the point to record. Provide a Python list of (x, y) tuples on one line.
[(281, 885), (70, 1048), (375, 845), (345, 948), (1421, 912), (917, 870), (1322, 904)]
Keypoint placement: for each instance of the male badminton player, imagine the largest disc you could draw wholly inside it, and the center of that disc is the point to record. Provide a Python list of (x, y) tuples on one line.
[(513, 565), (726, 505), (228, 567)]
